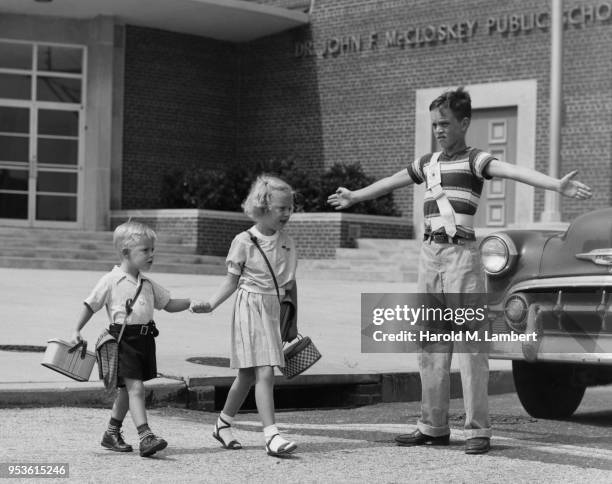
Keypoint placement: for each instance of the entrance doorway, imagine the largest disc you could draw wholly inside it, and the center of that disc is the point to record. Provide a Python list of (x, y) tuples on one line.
[(494, 130), (42, 101)]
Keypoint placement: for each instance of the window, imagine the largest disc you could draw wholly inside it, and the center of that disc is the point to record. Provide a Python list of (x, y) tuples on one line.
[(41, 125), (41, 72)]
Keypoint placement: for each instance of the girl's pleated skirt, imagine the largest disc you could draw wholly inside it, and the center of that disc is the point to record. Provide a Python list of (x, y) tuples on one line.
[(256, 339)]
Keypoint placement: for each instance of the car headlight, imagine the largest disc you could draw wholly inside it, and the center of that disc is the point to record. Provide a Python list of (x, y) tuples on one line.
[(498, 254)]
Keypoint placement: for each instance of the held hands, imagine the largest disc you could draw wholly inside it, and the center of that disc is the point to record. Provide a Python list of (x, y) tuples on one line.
[(343, 198), (573, 188), (200, 307)]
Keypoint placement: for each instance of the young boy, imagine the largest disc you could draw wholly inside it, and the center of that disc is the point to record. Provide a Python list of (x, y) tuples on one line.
[(450, 262), (135, 243)]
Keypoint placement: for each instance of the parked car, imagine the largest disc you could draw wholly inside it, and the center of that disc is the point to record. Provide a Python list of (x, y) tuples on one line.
[(557, 288)]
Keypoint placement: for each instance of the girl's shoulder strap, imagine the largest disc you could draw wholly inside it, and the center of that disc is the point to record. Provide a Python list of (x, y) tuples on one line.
[(265, 258)]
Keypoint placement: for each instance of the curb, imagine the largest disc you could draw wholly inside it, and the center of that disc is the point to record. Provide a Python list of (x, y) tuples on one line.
[(91, 394), (335, 390), (208, 393)]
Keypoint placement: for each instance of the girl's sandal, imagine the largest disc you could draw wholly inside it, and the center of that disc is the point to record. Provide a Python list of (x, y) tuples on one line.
[(282, 450), (232, 445)]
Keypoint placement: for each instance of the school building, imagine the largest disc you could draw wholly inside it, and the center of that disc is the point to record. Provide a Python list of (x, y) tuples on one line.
[(100, 98)]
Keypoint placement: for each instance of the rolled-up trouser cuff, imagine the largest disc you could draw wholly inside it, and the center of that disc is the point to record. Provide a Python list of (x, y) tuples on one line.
[(433, 431), (473, 433)]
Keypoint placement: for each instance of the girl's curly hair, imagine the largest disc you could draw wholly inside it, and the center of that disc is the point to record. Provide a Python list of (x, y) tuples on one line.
[(257, 203)]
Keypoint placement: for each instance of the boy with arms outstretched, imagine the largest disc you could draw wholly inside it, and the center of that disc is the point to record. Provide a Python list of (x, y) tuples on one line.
[(450, 262)]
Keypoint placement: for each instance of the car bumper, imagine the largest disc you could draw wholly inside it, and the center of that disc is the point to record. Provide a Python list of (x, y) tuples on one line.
[(558, 348), (561, 327)]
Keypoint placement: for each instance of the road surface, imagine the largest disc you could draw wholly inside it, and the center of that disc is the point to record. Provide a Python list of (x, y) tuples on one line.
[(340, 445)]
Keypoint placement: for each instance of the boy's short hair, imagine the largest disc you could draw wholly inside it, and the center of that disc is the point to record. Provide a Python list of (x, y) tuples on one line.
[(458, 101), (257, 203), (129, 233)]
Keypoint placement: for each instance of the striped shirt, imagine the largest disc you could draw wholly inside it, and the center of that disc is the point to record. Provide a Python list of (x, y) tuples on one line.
[(462, 178)]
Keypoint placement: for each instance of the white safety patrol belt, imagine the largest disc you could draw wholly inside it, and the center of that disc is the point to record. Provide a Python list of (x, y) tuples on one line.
[(447, 218)]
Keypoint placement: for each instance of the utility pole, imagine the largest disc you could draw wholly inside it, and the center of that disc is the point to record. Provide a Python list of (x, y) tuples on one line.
[(552, 200)]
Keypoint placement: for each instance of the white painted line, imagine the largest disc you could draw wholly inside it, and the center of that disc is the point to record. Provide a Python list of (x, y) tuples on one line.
[(573, 450), (387, 428)]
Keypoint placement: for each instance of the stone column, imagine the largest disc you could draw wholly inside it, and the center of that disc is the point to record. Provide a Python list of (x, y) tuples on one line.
[(99, 120)]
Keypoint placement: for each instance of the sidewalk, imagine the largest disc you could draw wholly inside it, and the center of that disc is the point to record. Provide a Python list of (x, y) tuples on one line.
[(38, 305)]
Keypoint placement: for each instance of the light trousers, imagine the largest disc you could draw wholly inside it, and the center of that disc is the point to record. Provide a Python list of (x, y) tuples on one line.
[(449, 268)]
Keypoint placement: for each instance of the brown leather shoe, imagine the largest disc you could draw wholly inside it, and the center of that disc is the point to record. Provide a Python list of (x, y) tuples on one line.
[(418, 438), (151, 444), (115, 442), (477, 445)]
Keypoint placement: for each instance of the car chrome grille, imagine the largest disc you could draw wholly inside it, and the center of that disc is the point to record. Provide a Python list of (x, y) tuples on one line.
[(575, 311)]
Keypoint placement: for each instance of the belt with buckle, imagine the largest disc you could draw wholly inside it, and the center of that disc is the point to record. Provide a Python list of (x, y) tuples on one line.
[(442, 238), (136, 329)]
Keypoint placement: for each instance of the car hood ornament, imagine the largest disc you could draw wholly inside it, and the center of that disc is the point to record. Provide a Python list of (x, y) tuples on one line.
[(601, 257)]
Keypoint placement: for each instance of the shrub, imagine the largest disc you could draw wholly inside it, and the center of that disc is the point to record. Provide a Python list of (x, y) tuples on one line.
[(225, 188)]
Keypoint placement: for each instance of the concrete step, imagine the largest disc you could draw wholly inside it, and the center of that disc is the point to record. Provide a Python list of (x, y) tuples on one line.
[(376, 255), (354, 275), (93, 245), (100, 265), (203, 269), (358, 265), (106, 255), (389, 244), (80, 235), (351, 270), (86, 250)]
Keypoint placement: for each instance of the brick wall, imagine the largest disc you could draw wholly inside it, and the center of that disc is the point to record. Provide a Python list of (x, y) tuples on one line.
[(317, 235), (184, 226), (216, 234), (179, 109), (316, 239), (194, 99), (364, 101), (587, 94), (210, 232), (302, 5), (280, 107)]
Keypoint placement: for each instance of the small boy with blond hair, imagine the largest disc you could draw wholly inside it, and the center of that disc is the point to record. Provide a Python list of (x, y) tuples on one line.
[(129, 296)]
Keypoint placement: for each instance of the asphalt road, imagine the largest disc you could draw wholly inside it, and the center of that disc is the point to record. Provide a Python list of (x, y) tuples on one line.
[(342, 445)]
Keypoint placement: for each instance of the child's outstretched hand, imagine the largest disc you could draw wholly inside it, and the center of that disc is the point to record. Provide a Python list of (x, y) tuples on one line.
[(200, 307), (343, 198), (574, 188)]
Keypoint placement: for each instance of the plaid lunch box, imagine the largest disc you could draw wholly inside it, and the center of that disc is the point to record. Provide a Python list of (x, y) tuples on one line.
[(299, 357)]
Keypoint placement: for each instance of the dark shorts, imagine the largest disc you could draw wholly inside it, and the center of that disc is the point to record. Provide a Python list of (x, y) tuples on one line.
[(136, 358)]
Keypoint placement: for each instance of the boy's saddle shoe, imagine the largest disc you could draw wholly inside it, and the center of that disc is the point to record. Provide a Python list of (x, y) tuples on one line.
[(419, 438), (477, 445), (151, 444), (115, 442)]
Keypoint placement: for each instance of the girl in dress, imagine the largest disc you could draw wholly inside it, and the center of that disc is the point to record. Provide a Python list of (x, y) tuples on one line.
[(256, 346)]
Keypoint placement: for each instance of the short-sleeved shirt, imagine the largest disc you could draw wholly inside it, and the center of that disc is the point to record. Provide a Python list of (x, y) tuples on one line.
[(244, 260), (116, 287), (463, 175)]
